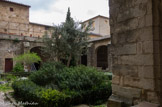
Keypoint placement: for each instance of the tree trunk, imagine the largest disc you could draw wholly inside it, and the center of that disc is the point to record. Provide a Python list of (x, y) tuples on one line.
[(69, 59)]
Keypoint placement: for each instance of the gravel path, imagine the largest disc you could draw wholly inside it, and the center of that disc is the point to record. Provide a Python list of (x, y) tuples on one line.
[(4, 102)]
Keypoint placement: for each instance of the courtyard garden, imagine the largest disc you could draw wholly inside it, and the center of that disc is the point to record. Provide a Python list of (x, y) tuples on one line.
[(56, 85), (60, 81)]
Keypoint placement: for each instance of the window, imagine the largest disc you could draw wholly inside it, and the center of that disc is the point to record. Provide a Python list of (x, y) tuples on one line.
[(11, 9), (46, 28)]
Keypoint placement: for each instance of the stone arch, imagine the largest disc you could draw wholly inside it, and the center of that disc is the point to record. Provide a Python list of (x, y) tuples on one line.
[(102, 57), (39, 52)]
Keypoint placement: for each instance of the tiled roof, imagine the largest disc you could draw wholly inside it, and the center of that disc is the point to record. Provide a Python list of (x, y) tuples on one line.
[(95, 18), (8, 1), (100, 38), (91, 33), (40, 24)]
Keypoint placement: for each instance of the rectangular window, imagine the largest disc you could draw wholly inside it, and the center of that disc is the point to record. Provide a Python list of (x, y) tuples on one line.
[(11, 9)]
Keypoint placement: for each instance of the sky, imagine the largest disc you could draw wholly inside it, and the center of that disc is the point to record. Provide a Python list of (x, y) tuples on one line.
[(53, 12)]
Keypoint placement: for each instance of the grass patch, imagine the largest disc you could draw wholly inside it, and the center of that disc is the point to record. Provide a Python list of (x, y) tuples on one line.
[(5, 87)]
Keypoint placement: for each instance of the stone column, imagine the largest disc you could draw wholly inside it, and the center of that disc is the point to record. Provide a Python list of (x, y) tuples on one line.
[(135, 61)]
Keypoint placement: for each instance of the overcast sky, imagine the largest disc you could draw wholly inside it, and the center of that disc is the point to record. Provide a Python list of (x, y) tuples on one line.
[(54, 11)]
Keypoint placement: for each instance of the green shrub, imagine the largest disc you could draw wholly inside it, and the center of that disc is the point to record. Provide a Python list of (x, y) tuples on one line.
[(20, 74), (28, 91), (78, 82), (18, 68), (55, 83), (54, 98)]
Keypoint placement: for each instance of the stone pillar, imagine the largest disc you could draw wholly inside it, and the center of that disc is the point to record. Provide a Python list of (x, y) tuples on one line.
[(91, 55), (157, 32), (109, 57), (136, 59)]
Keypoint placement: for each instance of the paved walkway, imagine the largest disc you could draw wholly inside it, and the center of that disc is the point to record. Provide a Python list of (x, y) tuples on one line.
[(4, 102)]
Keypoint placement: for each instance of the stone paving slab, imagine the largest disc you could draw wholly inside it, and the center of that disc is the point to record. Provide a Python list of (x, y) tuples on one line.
[(4, 102), (82, 105), (146, 104)]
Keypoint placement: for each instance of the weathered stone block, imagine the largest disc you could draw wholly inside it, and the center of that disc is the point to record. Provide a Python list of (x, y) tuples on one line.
[(143, 34), (126, 70), (139, 48), (127, 49), (148, 47), (24, 27), (115, 103), (152, 97), (14, 26), (149, 20), (3, 24), (146, 72), (141, 22), (147, 84), (137, 59), (131, 81), (13, 32), (127, 92), (115, 79)]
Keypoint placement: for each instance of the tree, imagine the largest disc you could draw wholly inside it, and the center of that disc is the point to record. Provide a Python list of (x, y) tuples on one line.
[(54, 45), (68, 40), (28, 58)]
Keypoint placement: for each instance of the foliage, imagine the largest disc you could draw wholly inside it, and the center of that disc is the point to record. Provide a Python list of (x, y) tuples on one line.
[(16, 40), (29, 91), (47, 73), (79, 82), (68, 41), (59, 86), (5, 87), (109, 75), (103, 105), (28, 58), (8, 79), (20, 74), (18, 68)]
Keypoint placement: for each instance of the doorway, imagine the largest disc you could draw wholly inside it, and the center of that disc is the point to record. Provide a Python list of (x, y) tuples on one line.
[(84, 60), (102, 57), (8, 64)]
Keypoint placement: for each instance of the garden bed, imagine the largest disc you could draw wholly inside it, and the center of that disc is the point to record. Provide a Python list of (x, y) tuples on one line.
[(59, 86)]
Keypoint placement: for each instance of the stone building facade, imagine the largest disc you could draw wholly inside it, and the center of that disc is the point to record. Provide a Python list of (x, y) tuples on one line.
[(136, 50), (100, 26), (14, 20), (99, 39), (17, 34), (15, 26), (13, 45)]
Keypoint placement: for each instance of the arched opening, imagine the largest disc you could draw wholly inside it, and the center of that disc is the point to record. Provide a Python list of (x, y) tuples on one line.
[(84, 59), (37, 50), (102, 57)]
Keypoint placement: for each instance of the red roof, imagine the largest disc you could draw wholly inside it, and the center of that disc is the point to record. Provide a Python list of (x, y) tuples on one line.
[(7, 1)]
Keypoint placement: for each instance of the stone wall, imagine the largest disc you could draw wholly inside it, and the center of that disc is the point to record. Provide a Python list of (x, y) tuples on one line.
[(157, 32), (12, 45), (100, 25), (14, 20), (135, 52)]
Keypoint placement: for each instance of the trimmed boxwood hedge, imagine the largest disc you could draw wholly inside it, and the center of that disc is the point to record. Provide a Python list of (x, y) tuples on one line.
[(55, 85)]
